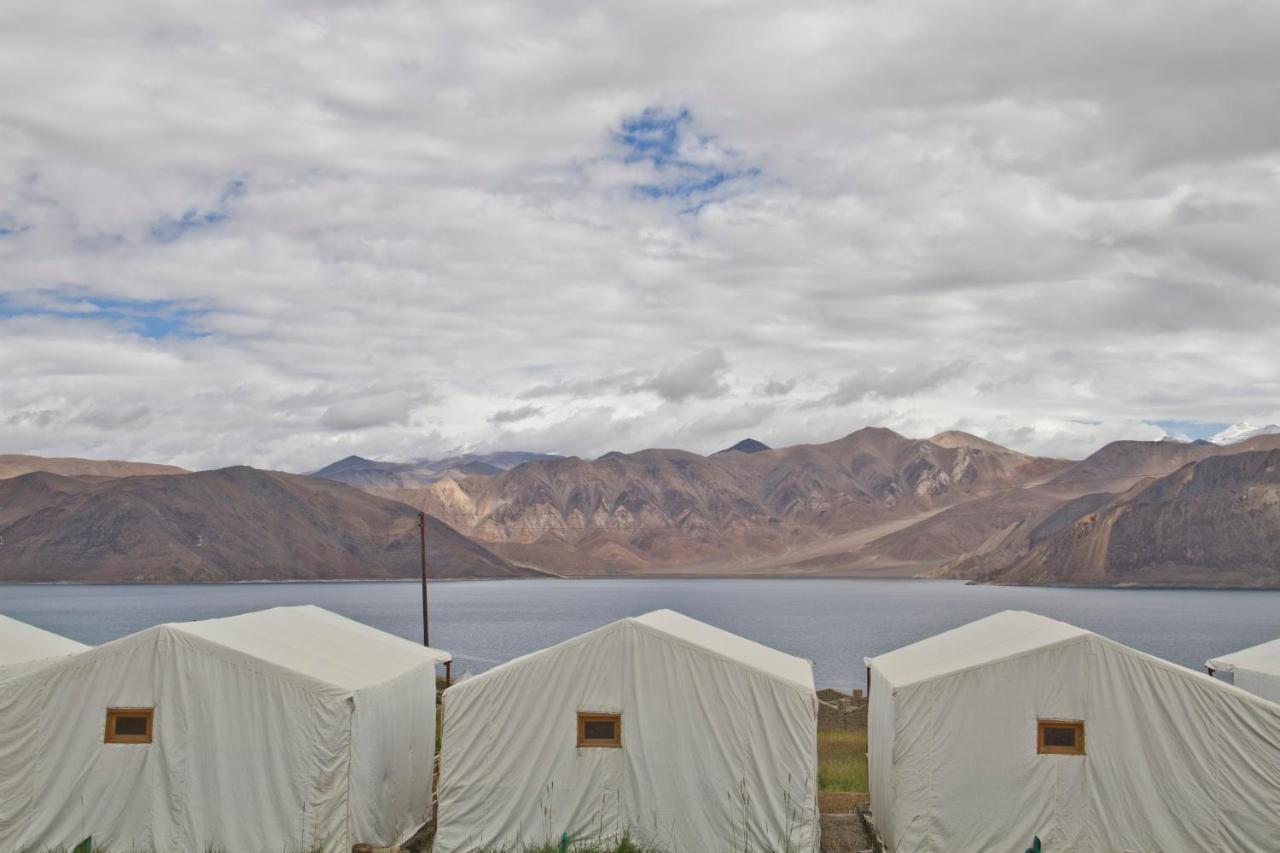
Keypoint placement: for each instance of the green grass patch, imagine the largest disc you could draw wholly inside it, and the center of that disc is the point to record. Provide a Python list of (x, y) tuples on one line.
[(622, 845), (842, 760)]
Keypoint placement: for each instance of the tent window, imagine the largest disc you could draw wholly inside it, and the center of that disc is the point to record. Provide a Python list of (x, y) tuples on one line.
[(129, 725), (599, 729), (1060, 737)]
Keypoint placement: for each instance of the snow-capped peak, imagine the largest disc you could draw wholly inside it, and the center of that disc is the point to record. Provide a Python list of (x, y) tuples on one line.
[(1243, 431)]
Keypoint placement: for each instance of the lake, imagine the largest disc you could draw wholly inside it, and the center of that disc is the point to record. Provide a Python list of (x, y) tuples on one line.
[(834, 622)]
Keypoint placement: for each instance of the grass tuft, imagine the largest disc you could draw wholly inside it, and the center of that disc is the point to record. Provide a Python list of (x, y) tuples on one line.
[(626, 844), (842, 761)]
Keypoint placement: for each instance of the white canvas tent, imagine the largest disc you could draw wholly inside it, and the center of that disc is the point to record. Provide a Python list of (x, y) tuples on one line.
[(716, 744), (24, 647), (1172, 759), (289, 729), (1256, 669)]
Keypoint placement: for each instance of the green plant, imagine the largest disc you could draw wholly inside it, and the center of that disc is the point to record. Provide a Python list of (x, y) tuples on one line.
[(624, 844), (842, 760), (1035, 845)]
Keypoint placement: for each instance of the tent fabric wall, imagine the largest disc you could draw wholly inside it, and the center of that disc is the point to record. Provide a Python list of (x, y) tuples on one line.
[(718, 744), (880, 743), (1174, 760), (1263, 684), (393, 745), (248, 753), (24, 648), (1255, 669)]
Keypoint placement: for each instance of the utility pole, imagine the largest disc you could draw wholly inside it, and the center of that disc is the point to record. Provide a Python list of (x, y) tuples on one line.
[(422, 539)]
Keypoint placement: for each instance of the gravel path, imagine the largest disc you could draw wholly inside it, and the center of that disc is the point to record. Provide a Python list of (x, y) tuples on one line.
[(842, 833)]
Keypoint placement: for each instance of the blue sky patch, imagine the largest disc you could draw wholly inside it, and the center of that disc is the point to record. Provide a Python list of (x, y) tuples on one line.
[(9, 225), (1191, 429), (665, 139), (653, 135), (156, 319), (168, 230)]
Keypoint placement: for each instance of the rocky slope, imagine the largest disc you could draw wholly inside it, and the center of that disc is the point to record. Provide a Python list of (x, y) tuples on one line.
[(1213, 522), (871, 503), (227, 525), (1036, 513), (670, 508), (1118, 465)]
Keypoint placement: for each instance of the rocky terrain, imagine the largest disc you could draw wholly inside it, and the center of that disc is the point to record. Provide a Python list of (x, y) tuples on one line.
[(227, 525), (670, 510), (1039, 513), (874, 503), (1214, 522)]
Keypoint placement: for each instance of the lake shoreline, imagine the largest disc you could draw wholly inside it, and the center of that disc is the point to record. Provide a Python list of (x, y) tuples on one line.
[(835, 622), (1120, 587)]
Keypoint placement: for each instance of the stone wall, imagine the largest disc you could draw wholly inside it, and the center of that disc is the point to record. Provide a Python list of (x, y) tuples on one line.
[(838, 710)]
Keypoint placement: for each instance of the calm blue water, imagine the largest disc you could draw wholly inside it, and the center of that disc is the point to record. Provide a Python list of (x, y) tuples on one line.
[(833, 622)]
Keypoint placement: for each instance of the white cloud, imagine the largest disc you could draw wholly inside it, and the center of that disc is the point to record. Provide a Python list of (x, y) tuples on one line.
[(698, 376), (511, 416), (261, 234)]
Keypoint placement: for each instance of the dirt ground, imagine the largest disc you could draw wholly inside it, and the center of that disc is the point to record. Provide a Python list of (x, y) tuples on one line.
[(842, 833)]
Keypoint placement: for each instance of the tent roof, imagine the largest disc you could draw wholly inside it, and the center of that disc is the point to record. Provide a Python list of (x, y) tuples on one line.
[(21, 643), (316, 643), (1261, 658), (997, 637), (770, 661), (676, 626)]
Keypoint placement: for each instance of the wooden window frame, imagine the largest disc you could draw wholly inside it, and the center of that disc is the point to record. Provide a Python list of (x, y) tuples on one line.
[(114, 713), (1044, 749), (585, 717)]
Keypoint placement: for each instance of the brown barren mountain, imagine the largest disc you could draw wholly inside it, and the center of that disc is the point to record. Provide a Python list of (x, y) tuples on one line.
[(1081, 489), (227, 525), (871, 503), (670, 510), (956, 438), (1215, 522), (14, 465), (1120, 464)]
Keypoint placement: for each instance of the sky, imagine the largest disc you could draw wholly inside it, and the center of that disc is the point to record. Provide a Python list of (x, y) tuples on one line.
[(281, 233)]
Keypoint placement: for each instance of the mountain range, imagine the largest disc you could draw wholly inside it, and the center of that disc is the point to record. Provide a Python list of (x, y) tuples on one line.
[(1237, 433), (807, 508), (228, 525), (1213, 522), (16, 466), (358, 471), (872, 503)]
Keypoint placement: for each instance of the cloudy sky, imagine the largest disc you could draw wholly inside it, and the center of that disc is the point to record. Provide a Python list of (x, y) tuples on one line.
[(280, 233)]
